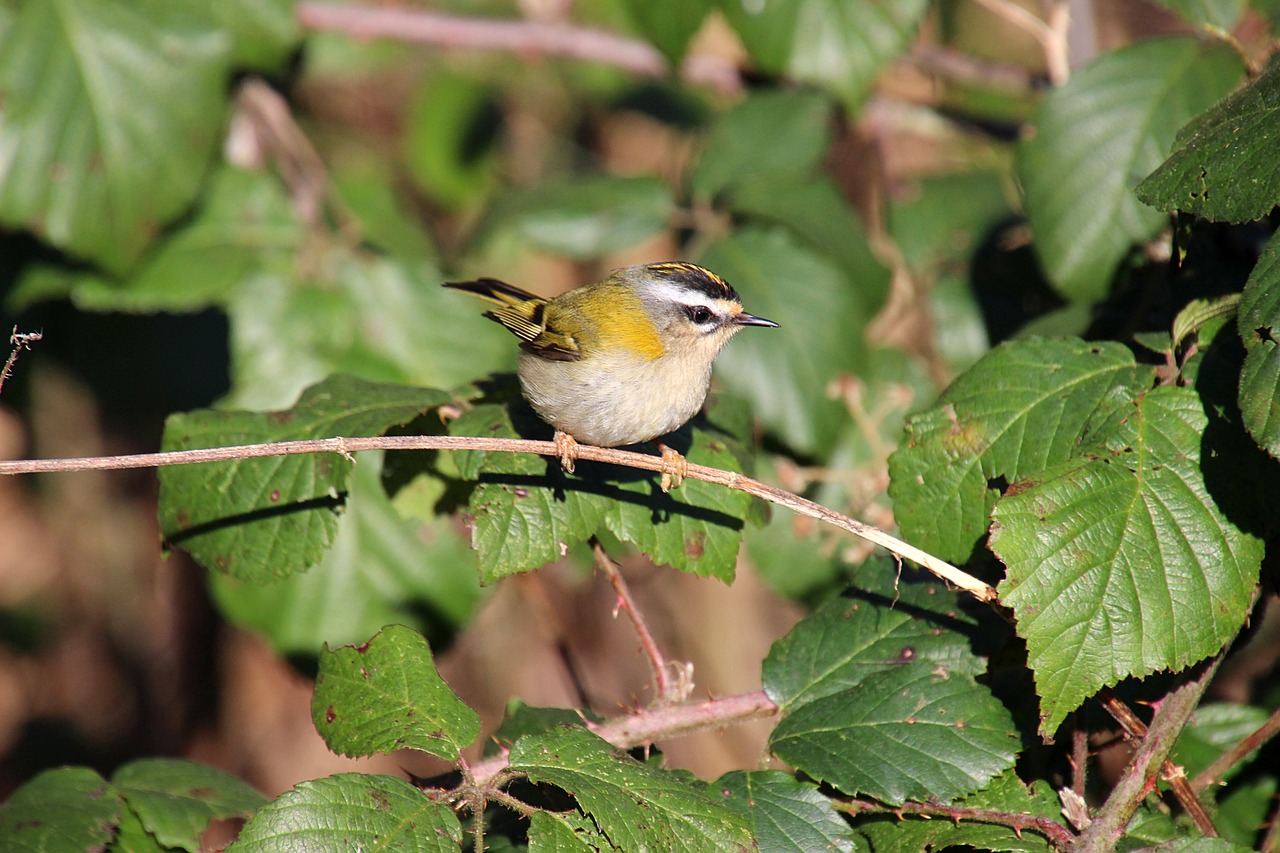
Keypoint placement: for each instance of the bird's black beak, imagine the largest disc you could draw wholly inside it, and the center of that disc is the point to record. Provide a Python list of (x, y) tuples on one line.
[(745, 319)]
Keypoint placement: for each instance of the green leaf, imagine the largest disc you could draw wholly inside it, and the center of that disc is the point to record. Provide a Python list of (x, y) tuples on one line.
[(1096, 137), (244, 224), (696, 528), (526, 513), (797, 125), (1120, 564), (1215, 728), (584, 217), (355, 312), (175, 800), (904, 833), (1219, 14), (451, 138), (553, 832), (785, 813), (258, 519), (909, 733), (838, 44), (1224, 167), (386, 695), (523, 514), (784, 373), (887, 625), (1023, 407), (818, 216), (1259, 323), (69, 808), (382, 569), (264, 32), (670, 26), (112, 112), (636, 806), (943, 218), (351, 811)]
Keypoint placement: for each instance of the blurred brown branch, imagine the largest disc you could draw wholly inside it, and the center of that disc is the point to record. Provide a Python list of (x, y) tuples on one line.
[(517, 36)]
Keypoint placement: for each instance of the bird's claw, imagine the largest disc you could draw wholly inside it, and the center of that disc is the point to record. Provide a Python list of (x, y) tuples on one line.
[(674, 468), (566, 449)]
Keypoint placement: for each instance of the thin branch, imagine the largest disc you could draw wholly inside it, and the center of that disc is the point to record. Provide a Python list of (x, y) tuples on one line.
[(1171, 773), (666, 691), (1148, 760), (516, 36), (646, 727), (19, 341), (1051, 33), (1058, 835), (1237, 753), (347, 446)]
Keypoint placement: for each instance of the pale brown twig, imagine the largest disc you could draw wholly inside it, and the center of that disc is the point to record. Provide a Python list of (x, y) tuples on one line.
[(516, 36), (645, 727), (1237, 753), (346, 446)]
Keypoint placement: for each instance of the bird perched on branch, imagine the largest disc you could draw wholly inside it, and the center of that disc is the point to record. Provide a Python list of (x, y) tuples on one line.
[(622, 361)]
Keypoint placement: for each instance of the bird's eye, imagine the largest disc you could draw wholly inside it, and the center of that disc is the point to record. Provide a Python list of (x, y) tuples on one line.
[(699, 314)]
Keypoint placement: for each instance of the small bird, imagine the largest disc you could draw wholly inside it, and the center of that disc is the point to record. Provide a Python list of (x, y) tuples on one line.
[(622, 361)]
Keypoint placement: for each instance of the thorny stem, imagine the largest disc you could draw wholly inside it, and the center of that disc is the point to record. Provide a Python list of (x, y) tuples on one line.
[(1171, 773), (661, 677), (347, 446), (1057, 834), (1148, 759)]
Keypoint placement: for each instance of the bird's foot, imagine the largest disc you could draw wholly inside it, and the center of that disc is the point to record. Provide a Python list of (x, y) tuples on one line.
[(566, 449), (674, 467)]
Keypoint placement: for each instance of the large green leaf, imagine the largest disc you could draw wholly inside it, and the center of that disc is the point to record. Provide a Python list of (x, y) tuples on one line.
[(69, 808), (112, 111), (1020, 409), (786, 814), (355, 312), (785, 372), (386, 695), (1225, 166), (382, 569), (886, 625), (1259, 323), (797, 125), (670, 25), (1120, 563), (244, 224), (266, 518), (175, 800), (838, 44), (815, 213), (351, 811), (636, 806), (1096, 137), (1219, 14), (914, 732)]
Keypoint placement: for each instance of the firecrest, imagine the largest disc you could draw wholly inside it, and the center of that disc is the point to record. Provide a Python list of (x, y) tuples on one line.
[(624, 360)]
